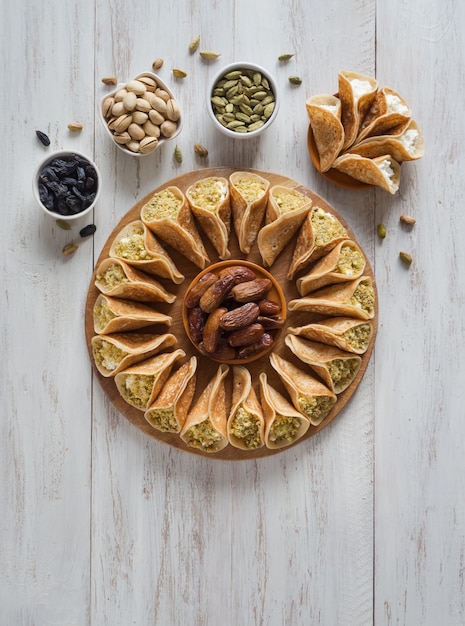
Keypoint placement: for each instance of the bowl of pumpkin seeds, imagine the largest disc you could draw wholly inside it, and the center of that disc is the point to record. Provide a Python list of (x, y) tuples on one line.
[(243, 100)]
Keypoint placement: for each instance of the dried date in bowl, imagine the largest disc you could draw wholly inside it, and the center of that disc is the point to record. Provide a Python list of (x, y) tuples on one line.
[(226, 325), (66, 185)]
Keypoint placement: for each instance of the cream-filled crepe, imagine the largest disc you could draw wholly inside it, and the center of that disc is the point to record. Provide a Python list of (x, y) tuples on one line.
[(336, 368), (169, 216), (205, 425), (114, 353), (324, 112), (283, 423), (210, 201), (403, 145), (169, 411), (116, 278), (249, 197), (389, 110), (355, 298), (344, 262), (382, 171), (140, 384), (357, 93), (246, 426), (116, 315), (347, 333), (313, 399), (320, 232), (136, 245), (287, 208)]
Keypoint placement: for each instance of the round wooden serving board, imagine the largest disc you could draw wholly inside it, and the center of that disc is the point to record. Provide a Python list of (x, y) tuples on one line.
[(206, 367)]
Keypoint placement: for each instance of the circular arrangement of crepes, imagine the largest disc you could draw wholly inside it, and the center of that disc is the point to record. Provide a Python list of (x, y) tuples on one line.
[(149, 368), (359, 137)]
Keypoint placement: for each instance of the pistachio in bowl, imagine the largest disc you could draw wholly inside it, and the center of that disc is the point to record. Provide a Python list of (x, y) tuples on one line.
[(141, 115)]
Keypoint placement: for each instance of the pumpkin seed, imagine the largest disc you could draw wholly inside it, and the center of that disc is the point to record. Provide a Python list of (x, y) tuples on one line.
[(194, 44), (70, 248), (209, 55), (285, 57), (177, 73)]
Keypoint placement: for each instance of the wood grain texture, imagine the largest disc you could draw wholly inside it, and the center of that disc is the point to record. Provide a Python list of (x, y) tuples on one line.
[(361, 524)]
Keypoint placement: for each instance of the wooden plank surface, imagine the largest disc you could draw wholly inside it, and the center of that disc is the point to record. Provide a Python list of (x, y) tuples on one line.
[(362, 523)]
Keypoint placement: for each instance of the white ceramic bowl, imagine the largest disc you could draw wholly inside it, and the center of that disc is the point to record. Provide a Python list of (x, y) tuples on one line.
[(36, 181), (246, 67), (161, 139)]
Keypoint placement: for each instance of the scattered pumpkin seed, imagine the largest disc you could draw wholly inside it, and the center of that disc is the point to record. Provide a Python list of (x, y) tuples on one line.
[(200, 150), (70, 248), (75, 126), (209, 55), (381, 231), (110, 80), (63, 224), (88, 230), (285, 57), (43, 138), (194, 44), (177, 73), (295, 80), (157, 64), (407, 219), (406, 258), (178, 154)]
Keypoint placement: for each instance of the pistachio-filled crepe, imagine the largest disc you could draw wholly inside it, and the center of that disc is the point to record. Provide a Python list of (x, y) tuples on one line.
[(336, 368), (324, 112), (313, 399), (355, 298), (205, 425), (389, 110), (287, 208), (382, 171), (405, 145), (114, 353), (283, 423), (347, 333), (357, 93), (342, 263), (249, 197), (140, 384), (136, 245), (169, 411), (168, 215), (246, 426), (116, 278), (320, 232), (210, 201), (113, 315)]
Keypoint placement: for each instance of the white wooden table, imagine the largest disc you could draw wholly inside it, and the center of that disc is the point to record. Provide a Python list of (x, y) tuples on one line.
[(363, 523)]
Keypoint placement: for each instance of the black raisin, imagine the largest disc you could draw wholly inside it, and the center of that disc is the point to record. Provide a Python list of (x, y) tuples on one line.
[(43, 138), (88, 230)]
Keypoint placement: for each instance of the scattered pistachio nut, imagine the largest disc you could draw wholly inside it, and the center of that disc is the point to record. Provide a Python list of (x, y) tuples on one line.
[(194, 44), (177, 73), (70, 248), (43, 138), (75, 126), (110, 80), (285, 57), (209, 55), (381, 229), (200, 150), (295, 80), (63, 224), (178, 154), (405, 257), (157, 64), (407, 219)]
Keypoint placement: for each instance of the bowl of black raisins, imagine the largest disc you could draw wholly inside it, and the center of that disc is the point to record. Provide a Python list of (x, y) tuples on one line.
[(67, 185)]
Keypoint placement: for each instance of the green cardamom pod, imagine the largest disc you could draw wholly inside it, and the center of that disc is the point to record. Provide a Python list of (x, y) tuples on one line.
[(295, 80)]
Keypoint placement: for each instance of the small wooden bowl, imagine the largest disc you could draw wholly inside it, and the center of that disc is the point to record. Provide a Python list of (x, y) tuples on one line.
[(276, 294)]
